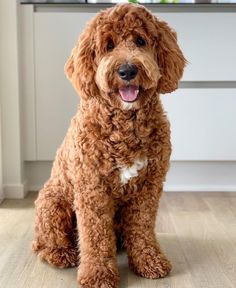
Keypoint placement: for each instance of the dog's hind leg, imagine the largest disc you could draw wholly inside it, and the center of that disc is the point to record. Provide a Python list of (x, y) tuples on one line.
[(55, 227)]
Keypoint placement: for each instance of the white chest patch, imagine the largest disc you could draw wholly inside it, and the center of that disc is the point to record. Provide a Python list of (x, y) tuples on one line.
[(126, 173), (127, 105)]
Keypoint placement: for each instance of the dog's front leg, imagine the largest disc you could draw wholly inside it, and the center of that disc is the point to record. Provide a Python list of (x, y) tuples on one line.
[(95, 213), (138, 218)]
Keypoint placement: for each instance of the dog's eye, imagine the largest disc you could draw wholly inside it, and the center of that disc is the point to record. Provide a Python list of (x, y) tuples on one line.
[(140, 41), (110, 45)]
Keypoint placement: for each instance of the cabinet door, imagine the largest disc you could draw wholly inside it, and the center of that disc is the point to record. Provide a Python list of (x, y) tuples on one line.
[(56, 100), (202, 123), (200, 117), (208, 41)]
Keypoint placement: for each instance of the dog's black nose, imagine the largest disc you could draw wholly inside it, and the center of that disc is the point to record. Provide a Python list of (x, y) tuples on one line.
[(127, 72)]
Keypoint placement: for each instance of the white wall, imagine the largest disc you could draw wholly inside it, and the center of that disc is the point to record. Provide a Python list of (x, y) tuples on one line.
[(10, 101)]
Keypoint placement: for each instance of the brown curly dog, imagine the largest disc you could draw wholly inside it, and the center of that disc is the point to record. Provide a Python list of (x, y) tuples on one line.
[(108, 175)]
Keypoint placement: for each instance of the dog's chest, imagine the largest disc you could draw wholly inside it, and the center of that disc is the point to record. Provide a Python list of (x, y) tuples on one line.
[(127, 173)]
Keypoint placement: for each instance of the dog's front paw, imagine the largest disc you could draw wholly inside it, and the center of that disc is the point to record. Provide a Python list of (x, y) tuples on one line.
[(150, 265), (98, 275), (60, 257)]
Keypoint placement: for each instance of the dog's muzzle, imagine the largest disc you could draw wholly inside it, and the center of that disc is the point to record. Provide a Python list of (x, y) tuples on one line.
[(128, 72)]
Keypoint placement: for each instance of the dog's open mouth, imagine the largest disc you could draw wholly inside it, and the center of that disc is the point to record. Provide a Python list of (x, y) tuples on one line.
[(129, 93)]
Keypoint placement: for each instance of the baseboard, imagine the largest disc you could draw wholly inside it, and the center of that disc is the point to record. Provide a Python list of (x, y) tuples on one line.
[(1, 192), (35, 188), (15, 191), (199, 188), (176, 188)]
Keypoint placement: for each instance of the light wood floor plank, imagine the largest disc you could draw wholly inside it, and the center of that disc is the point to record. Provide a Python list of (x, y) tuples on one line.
[(223, 223), (197, 231), (198, 244)]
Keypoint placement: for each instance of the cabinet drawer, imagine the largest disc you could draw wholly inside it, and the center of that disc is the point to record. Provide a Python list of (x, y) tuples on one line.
[(208, 41), (202, 123), (200, 118)]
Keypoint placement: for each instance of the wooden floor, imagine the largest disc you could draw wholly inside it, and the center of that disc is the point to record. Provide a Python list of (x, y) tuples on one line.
[(197, 231)]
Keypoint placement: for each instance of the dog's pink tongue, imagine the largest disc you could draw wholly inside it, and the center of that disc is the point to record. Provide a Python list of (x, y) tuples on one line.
[(129, 93)]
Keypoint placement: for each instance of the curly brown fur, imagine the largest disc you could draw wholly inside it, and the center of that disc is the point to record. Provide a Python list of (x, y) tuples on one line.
[(105, 138)]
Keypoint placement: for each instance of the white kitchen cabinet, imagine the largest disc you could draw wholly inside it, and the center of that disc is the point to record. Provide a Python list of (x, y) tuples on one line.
[(208, 41), (56, 100), (201, 119), (202, 124)]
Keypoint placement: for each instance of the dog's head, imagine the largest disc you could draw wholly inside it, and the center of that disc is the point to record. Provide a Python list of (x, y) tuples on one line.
[(125, 55)]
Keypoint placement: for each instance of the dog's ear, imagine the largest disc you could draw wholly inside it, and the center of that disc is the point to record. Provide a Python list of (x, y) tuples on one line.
[(170, 58), (69, 66), (80, 67)]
